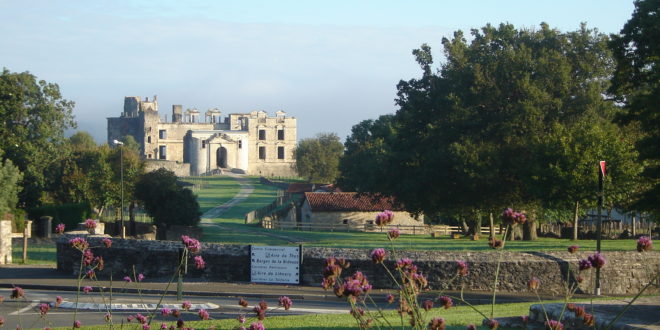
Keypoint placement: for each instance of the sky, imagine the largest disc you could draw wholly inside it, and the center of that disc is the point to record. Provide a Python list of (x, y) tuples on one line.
[(330, 64)]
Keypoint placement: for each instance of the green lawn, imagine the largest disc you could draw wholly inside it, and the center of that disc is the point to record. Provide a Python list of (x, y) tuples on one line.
[(213, 191), (38, 253)]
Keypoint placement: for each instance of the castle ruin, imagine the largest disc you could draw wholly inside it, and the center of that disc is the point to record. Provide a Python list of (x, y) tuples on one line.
[(251, 143)]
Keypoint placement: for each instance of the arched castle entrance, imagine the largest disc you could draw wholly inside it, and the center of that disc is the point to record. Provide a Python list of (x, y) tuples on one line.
[(221, 157)]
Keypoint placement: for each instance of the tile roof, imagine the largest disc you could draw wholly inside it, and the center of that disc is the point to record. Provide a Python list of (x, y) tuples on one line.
[(349, 201)]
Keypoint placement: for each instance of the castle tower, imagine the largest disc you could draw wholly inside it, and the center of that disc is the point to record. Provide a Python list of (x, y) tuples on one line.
[(177, 113)]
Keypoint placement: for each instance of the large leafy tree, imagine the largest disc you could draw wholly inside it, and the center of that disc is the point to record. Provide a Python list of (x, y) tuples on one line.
[(10, 176), (511, 118), (317, 158), (636, 83), (33, 118), (165, 201)]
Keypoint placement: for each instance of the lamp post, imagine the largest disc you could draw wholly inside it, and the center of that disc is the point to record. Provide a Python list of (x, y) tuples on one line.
[(122, 230)]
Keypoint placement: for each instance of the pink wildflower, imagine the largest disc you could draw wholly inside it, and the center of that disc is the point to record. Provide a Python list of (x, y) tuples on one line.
[(90, 274), (90, 224), (59, 229), (199, 262), (165, 312), (389, 298), (108, 317), (88, 257), (141, 318), (584, 264), (107, 242), (17, 292), (257, 326), (191, 244), (644, 244), (463, 269), (533, 284), (554, 325), (393, 234), (176, 313), (146, 326), (58, 301), (203, 314), (79, 243), (492, 324), (427, 305), (242, 302), (127, 279), (186, 305), (163, 326), (285, 302), (573, 248), (446, 302), (43, 309), (87, 289), (378, 255), (437, 323), (597, 260), (140, 277), (77, 324), (241, 318)]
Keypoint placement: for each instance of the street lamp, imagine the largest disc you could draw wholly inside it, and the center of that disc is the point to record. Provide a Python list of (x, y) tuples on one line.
[(122, 230)]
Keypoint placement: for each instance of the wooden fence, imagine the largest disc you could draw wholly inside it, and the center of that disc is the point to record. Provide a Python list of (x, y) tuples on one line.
[(340, 227)]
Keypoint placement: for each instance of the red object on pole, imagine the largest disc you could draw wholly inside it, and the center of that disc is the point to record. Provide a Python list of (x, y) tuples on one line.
[(602, 167)]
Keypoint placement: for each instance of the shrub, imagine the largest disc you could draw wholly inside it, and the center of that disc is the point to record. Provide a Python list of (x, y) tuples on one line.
[(68, 214)]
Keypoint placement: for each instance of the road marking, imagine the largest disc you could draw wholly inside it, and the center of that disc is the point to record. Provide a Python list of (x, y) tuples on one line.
[(125, 307), (26, 308)]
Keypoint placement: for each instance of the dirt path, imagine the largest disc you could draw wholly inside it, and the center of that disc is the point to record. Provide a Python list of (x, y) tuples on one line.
[(245, 191)]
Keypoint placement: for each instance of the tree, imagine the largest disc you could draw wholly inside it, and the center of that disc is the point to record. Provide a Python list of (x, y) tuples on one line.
[(636, 83), (33, 118), (10, 176), (502, 123), (165, 201), (82, 140), (317, 158)]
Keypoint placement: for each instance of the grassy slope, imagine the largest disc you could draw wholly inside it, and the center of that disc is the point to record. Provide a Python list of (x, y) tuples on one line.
[(38, 253)]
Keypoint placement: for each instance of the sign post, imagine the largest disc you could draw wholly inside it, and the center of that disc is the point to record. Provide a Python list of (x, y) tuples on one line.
[(599, 224), (275, 264)]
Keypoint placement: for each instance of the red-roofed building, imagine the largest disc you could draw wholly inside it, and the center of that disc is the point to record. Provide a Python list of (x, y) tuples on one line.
[(349, 208)]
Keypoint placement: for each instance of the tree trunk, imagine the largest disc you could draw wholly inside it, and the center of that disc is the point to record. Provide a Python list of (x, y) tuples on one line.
[(475, 223), (634, 230), (491, 225), (575, 221), (529, 228), (466, 228)]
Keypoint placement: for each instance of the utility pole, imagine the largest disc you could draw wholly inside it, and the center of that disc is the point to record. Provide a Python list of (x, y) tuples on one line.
[(122, 230), (599, 225)]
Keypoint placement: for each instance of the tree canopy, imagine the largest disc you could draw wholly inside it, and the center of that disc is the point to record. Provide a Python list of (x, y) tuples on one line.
[(514, 117), (165, 201), (317, 158), (33, 118), (636, 84), (10, 176)]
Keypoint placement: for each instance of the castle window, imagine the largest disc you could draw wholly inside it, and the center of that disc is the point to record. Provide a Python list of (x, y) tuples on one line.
[(162, 152), (162, 134), (203, 144), (240, 144), (262, 152), (148, 139), (280, 152), (262, 134), (280, 134), (345, 221)]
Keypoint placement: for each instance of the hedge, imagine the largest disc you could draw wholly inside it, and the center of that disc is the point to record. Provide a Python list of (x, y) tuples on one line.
[(68, 214)]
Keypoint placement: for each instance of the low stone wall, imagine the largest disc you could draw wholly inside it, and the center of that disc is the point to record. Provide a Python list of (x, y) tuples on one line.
[(625, 272), (179, 169)]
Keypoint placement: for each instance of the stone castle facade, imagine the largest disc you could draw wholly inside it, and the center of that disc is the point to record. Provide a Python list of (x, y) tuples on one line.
[(251, 143)]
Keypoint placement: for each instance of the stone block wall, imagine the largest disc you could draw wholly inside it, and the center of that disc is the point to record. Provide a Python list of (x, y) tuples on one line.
[(179, 169), (5, 242), (625, 272)]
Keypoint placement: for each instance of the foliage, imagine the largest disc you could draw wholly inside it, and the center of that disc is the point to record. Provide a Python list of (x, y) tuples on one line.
[(82, 140), (636, 83), (165, 201), (513, 117), (317, 158), (68, 214), (33, 118), (10, 177)]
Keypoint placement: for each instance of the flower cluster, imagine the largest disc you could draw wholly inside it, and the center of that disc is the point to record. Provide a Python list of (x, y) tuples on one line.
[(191, 244), (332, 271), (384, 218), (285, 302), (79, 243), (393, 234), (463, 269), (378, 255), (437, 323), (495, 243), (580, 312), (510, 217), (554, 325), (411, 278), (353, 286), (59, 229), (445, 302), (17, 292), (107, 242), (644, 244), (90, 224), (199, 262), (573, 249)]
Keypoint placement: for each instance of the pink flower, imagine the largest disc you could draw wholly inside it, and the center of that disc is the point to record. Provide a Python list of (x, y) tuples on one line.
[(176, 313), (584, 264), (644, 244), (76, 324), (141, 318), (140, 277), (59, 229), (492, 324), (87, 289), (43, 309), (127, 279), (163, 326), (90, 273), (427, 305), (165, 312), (2, 321), (285, 302), (186, 305), (533, 284), (446, 302), (17, 292), (463, 269), (90, 224), (573, 248), (129, 318), (88, 257), (495, 243), (199, 262), (58, 301), (389, 298), (108, 317), (597, 260), (79, 243), (378, 255), (191, 244), (203, 314), (241, 318), (554, 325), (437, 323), (257, 326), (146, 326), (242, 302), (384, 218), (107, 242), (393, 234)]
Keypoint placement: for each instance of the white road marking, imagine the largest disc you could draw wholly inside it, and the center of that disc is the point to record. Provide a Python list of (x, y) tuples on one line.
[(26, 308)]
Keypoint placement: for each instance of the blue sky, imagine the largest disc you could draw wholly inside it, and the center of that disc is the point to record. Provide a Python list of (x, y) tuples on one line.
[(331, 64)]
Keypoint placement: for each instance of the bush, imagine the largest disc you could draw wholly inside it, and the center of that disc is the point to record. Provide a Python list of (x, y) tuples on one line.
[(68, 214), (165, 201)]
